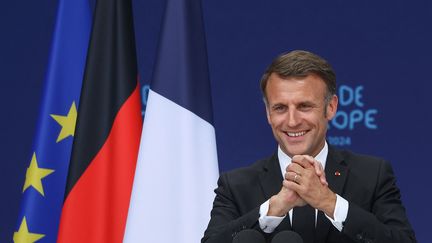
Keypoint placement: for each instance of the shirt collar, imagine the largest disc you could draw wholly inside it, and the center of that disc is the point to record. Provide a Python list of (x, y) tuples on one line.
[(285, 160)]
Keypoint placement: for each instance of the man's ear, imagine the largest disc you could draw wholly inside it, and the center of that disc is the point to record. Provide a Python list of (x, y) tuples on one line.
[(332, 107), (267, 110)]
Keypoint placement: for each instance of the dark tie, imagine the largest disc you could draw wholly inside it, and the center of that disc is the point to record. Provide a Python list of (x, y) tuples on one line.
[(304, 223)]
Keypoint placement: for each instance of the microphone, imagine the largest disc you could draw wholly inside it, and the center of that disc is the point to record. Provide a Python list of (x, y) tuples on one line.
[(249, 236), (287, 237)]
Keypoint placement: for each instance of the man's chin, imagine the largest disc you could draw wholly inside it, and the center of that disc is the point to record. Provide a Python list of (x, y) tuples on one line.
[(295, 150)]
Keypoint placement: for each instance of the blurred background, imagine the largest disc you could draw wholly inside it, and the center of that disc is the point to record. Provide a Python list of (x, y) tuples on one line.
[(381, 52)]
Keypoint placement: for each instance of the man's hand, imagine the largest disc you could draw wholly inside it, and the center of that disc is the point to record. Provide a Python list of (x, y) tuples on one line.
[(319, 170), (283, 202), (307, 179), (287, 198)]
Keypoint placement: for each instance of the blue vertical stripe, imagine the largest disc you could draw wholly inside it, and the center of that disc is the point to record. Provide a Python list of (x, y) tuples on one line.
[(181, 71)]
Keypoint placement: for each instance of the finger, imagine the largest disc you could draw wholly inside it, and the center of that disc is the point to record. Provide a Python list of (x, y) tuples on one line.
[(292, 176), (293, 167), (301, 160), (292, 186), (323, 179), (321, 173), (319, 170), (315, 163)]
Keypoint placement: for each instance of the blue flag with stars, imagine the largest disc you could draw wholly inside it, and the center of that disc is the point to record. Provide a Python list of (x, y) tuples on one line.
[(48, 163)]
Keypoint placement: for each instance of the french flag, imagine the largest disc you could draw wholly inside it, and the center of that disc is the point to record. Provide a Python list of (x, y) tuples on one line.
[(177, 165)]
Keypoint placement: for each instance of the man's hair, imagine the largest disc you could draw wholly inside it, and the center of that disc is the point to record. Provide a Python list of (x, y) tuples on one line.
[(301, 64)]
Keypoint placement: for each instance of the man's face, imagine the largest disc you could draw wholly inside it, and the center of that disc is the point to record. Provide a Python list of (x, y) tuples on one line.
[(297, 114)]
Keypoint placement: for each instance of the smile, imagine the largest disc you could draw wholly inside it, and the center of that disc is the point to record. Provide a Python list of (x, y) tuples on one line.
[(296, 134)]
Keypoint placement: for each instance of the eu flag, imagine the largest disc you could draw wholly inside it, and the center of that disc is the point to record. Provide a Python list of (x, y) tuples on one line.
[(48, 163)]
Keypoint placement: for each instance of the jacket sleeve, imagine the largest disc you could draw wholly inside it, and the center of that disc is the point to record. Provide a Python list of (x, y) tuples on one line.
[(386, 222), (226, 219)]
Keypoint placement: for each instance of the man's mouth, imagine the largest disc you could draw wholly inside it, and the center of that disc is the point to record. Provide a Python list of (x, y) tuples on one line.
[(296, 134)]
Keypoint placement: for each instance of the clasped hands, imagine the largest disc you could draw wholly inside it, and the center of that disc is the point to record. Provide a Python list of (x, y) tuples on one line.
[(304, 183)]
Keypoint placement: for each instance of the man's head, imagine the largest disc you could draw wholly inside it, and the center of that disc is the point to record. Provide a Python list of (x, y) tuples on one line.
[(299, 92)]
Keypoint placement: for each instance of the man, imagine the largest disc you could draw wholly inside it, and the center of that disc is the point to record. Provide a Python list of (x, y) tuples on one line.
[(309, 187)]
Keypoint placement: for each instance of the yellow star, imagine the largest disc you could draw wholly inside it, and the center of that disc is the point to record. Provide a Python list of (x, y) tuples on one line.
[(67, 123), (34, 176), (24, 236)]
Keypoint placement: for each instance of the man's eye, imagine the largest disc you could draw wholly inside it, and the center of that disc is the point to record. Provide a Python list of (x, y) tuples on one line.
[(279, 108), (305, 107)]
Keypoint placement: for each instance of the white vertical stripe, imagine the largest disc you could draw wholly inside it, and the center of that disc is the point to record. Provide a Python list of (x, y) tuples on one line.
[(175, 176)]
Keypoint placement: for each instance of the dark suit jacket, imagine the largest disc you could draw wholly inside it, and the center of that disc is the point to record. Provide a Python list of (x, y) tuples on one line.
[(375, 211)]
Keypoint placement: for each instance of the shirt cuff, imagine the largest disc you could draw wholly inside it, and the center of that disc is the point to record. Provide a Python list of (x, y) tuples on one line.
[(340, 213), (268, 223)]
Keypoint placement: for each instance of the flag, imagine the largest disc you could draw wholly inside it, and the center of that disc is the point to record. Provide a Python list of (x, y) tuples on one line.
[(177, 163), (44, 185), (108, 131)]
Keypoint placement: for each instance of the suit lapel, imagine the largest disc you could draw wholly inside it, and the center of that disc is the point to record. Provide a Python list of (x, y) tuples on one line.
[(336, 173), (271, 177), (271, 183)]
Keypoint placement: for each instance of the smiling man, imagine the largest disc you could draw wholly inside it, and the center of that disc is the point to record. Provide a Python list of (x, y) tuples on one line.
[(307, 186)]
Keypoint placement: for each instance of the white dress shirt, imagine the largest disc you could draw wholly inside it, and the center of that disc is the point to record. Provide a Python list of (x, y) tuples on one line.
[(269, 223)]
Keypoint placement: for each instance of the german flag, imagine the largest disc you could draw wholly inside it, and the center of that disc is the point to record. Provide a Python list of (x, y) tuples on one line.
[(107, 134)]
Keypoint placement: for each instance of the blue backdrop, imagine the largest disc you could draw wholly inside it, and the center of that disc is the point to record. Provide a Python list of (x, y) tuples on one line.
[(380, 50)]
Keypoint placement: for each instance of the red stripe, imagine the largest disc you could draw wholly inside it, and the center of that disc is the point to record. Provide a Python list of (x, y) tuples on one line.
[(96, 208)]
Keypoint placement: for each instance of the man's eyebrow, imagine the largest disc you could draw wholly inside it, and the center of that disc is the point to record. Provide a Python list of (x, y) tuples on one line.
[(278, 105), (307, 103)]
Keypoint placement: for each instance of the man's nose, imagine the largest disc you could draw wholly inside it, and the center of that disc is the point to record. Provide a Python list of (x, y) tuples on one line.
[(293, 118)]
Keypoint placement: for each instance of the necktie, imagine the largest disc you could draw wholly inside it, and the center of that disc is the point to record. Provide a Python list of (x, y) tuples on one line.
[(304, 222)]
